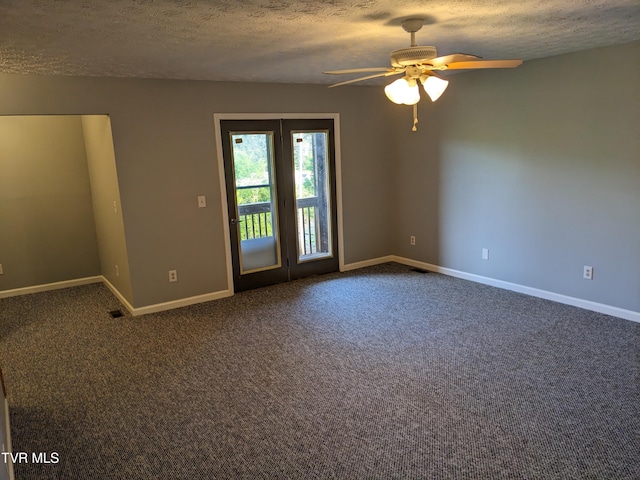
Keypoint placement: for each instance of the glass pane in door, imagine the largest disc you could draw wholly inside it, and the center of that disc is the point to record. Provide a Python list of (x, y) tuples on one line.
[(256, 201), (311, 177)]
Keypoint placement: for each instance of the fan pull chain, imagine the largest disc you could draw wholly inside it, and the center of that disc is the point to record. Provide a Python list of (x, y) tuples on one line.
[(415, 117)]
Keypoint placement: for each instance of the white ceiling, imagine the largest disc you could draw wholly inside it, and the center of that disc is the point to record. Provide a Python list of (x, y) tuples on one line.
[(289, 41)]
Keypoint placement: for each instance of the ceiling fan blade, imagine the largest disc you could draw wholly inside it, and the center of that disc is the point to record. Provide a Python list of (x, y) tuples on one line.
[(432, 73), (359, 70), (360, 79), (484, 64), (439, 63)]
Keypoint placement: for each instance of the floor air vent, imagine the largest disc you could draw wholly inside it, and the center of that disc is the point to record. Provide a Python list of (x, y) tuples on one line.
[(419, 270), (116, 313)]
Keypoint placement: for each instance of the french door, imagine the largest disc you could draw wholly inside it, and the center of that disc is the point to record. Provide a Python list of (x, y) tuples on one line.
[(281, 190)]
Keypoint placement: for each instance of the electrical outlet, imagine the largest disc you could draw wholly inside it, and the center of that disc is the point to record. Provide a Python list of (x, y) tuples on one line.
[(412, 239), (117, 271), (485, 254), (202, 201), (587, 273), (1, 270), (173, 275)]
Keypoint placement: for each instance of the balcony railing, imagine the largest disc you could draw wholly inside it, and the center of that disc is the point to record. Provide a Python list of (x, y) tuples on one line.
[(255, 221), (308, 226)]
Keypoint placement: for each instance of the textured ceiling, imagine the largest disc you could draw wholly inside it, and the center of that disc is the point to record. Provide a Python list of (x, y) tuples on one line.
[(287, 41)]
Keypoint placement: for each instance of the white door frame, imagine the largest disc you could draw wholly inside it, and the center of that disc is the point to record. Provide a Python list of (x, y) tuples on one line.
[(217, 117)]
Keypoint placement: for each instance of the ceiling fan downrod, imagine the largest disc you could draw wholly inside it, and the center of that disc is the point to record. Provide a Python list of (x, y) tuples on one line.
[(412, 25), (419, 64)]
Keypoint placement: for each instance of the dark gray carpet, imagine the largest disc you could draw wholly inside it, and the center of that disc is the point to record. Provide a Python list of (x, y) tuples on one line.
[(376, 373)]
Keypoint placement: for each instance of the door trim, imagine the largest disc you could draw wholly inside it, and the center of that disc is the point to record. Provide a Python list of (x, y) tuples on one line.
[(217, 117)]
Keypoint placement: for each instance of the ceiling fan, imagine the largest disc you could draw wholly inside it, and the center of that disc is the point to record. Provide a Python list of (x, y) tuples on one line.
[(419, 63)]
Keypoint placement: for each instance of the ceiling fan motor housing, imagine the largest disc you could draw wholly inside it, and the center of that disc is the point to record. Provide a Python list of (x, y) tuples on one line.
[(405, 57)]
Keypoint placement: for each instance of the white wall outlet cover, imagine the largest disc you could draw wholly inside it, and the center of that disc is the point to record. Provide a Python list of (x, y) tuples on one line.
[(485, 254), (202, 201)]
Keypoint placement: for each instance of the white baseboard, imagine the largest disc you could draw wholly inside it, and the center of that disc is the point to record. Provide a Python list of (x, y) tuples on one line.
[(50, 286), (160, 307), (117, 293), (182, 302), (534, 292), (367, 263)]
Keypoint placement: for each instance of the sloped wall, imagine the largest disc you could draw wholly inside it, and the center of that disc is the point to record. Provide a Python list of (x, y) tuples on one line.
[(107, 207)]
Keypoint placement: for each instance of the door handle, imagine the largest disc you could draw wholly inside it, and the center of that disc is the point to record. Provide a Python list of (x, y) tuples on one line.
[(235, 221)]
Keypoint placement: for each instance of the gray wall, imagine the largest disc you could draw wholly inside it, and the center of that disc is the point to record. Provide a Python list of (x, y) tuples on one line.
[(539, 164), (46, 218), (165, 151), (105, 192)]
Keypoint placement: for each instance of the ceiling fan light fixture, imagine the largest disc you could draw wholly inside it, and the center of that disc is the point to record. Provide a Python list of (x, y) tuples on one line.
[(420, 62), (403, 91), (434, 86)]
